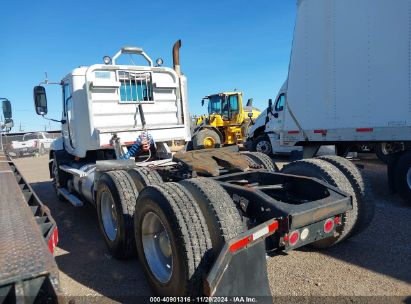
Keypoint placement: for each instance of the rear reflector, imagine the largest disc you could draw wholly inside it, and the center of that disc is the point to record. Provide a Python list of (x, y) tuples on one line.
[(239, 244), (294, 132), (53, 241), (263, 232), (329, 225), (364, 130)]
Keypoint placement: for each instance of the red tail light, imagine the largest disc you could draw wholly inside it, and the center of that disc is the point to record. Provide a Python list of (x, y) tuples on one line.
[(329, 225), (337, 220), (294, 237)]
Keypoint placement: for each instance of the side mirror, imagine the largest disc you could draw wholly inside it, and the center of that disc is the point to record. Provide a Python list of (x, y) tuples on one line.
[(250, 114), (250, 102), (40, 100), (7, 109), (202, 102), (270, 103), (9, 123)]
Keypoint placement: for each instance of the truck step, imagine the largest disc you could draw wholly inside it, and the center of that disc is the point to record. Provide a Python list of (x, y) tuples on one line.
[(74, 200)]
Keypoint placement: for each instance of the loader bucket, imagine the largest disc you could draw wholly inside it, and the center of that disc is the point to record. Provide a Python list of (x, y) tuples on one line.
[(241, 273)]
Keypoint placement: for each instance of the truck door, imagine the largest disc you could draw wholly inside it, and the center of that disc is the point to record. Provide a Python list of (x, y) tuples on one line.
[(276, 119), (67, 115)]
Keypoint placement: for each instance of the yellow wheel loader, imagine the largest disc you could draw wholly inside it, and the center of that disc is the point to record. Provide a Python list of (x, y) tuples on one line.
[(227, 121)]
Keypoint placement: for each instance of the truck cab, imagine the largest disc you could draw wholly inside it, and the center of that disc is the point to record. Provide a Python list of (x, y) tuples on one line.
[(266, 134)]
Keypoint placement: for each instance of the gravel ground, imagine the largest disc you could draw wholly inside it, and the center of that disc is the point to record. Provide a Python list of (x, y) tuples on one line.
[(374, 263)]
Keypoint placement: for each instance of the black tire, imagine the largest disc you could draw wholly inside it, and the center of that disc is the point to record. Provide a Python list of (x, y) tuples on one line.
[(327, 172), (120, 186), (366, 208), (220, 212), (378, 149), (262, 144), (57, 177), (188, 234), (200, 137), (403, 176), (262, 159), (144, 177), (386, 151)]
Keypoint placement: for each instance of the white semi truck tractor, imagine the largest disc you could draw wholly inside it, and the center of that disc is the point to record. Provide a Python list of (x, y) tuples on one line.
[(348, 84), (201, 222)]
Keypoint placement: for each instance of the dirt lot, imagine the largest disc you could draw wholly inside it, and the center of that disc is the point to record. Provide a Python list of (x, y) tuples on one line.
[(374, 263)]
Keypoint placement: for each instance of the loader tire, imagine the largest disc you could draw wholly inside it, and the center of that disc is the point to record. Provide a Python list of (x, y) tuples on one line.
[(144, 177), (220, 212), (366, 208), (167, 214), (262, 160), (206, 139), (115, 201), (327, 172)]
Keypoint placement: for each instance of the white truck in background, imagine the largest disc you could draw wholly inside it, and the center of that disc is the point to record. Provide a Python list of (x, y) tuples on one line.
[(31, 143), (349, 83)]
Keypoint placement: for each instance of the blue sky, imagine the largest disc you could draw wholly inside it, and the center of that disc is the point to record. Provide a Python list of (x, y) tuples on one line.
[(227, 45)]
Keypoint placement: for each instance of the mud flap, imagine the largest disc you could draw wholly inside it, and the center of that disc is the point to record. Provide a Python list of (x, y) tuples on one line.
[(240, 274)]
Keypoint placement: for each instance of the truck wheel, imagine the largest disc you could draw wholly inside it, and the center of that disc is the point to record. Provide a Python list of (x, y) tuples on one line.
[(222, 217), (262, 144), (144, 177), (206, 139), (56, 179), (262, 160), (115, 201), (384, 151), (403, 176), (325, 171), (361, 187), (172, 240)]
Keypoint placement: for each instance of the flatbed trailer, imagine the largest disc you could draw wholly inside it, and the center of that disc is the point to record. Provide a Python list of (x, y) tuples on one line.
[(28, 271)]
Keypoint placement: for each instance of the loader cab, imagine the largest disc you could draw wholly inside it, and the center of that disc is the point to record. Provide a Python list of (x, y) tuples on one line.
[(227, 105)]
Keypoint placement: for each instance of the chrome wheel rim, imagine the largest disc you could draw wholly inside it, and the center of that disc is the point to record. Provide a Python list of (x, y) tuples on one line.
[(109, 215), (409, 178), (263, 146), (157, 247)]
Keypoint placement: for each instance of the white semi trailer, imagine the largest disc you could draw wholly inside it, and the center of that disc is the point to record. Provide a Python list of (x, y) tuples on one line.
[(349, 83), (200, 221)]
